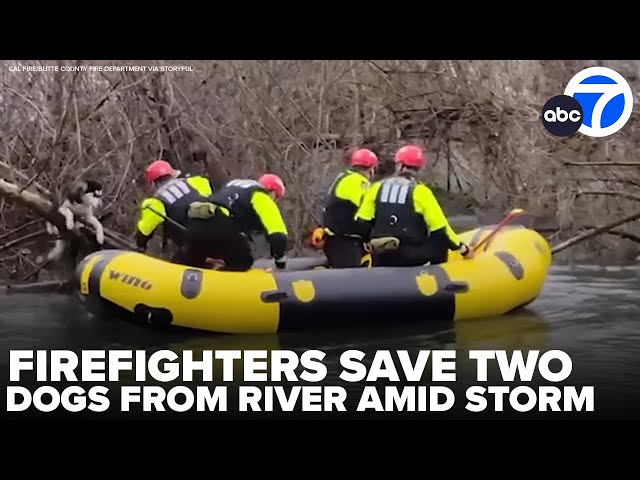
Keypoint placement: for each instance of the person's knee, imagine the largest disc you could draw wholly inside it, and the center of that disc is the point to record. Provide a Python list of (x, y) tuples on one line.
[(245, 262), (436, 253), (343, 253), (383, 259), (404, 257), (238, 258), (439, 258), (345, 262), (238, 265)]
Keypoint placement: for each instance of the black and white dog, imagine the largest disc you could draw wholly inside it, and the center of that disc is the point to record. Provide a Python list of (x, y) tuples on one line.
[(84, 201)]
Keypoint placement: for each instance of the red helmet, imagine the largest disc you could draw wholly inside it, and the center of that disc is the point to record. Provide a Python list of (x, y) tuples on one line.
[(363, 158), (157, 169), (273, 183), (410, 156)]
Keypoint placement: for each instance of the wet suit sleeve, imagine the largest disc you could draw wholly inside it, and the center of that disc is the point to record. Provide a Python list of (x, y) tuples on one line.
[(367, 212), (426, 204), (201, 184), (148, 220), (271, 219), (353, 189)]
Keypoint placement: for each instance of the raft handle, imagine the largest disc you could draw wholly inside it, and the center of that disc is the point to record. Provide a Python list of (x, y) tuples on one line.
[(156, 317), (273, 296), (457, 287)]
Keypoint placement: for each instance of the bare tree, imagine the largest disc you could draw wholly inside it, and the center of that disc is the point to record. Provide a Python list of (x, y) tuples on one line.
[(479, 121)]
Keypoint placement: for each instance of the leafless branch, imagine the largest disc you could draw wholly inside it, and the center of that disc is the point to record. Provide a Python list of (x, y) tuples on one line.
[(614, 193), (604, 164), (592, 233)]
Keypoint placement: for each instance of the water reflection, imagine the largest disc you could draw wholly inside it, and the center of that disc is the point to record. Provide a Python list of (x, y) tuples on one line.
[(592, 303), (593, 313)]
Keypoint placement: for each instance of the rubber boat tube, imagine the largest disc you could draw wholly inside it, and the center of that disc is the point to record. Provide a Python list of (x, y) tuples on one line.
[(510, 273)]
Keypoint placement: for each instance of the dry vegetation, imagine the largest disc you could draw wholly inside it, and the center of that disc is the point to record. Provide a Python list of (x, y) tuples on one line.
[(479, 120)]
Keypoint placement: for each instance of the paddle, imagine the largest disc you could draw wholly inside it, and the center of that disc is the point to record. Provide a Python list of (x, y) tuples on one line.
[(516, 212), (166, 219), (215, 263)]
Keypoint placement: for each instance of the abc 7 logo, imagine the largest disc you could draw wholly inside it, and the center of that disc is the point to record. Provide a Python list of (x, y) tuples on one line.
[(562, 115), (597, 102)]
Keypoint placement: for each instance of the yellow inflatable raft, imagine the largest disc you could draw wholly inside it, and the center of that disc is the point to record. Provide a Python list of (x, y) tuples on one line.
[(508, 274)]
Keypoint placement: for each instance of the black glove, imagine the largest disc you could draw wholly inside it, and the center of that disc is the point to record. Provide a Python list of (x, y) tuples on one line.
[(281, 263), (464, 249), (141, 242)]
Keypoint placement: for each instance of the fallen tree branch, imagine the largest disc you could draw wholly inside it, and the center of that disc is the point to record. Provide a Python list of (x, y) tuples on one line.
[(30, 262), (625, 235), (8, 172), (594, 232), (626, 181), (603, 164), (53, 286), (630, 196), (24, 239), (44, 208), (618, 233), (118, 237), (37, 268), (22, 227), (33, 201), (32, 180)]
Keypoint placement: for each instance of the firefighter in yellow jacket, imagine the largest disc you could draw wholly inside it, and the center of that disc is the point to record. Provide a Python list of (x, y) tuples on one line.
[(202, 230), (253, 206), (401, 206), (342, 243)]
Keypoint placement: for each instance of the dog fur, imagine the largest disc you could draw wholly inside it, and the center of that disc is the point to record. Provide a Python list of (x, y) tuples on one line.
[(83, 200)]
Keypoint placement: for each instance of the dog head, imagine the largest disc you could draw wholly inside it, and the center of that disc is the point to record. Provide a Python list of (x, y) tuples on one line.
[(94, 187), (94, 193), (89, 191)]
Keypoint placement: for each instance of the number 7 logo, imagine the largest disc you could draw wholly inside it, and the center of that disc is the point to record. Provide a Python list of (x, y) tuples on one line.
[(606, 100)]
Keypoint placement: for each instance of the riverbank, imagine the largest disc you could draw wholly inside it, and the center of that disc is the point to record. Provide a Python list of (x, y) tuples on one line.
[(478, 121)]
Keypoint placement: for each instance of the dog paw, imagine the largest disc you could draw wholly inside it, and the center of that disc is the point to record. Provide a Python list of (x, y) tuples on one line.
[(100, 238), (70, 225)]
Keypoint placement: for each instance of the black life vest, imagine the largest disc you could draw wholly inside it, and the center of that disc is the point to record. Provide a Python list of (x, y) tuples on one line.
[(176, 195), (395, 213), (338, 213), (236, 196)]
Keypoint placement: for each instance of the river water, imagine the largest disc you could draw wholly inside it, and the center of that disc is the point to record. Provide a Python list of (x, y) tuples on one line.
[(592, 313)]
